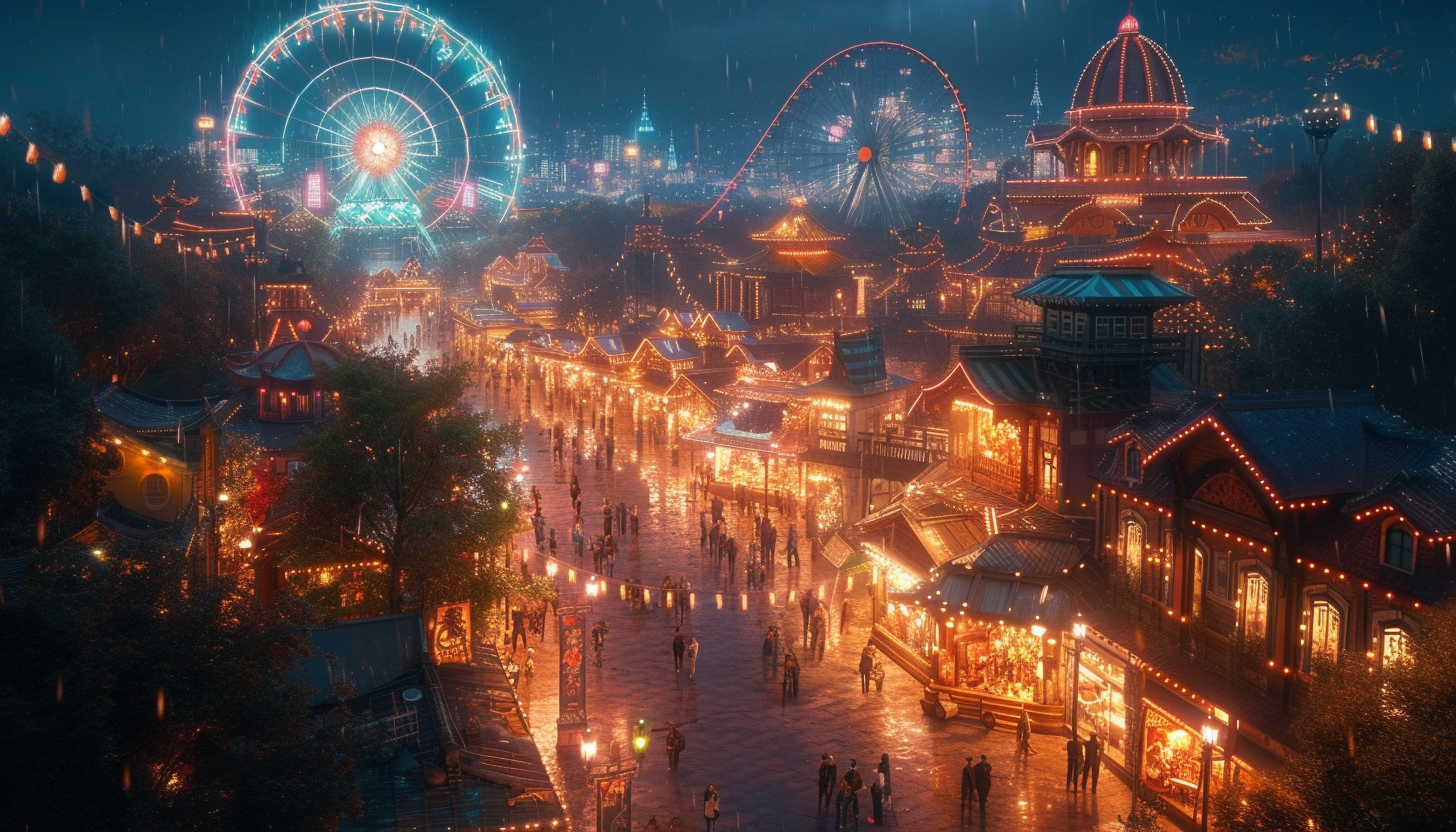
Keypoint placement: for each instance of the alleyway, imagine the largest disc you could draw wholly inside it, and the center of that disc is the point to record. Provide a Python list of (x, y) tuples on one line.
[(760, 751)]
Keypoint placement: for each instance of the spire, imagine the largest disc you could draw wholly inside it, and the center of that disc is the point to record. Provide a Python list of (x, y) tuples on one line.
[(1036, 98), (644, 122), (671, 152)]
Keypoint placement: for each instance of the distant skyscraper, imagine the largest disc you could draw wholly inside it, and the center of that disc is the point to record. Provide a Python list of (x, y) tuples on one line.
[(1036, 99), (644, 122), (671, 153)]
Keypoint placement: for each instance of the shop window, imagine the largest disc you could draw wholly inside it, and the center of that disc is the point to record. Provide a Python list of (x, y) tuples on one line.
[(1400, 548), (1132, 551), (154, 491), (1003, 660), (1255, 603), (1395, 646), (1133, 462), (1323, 632), (1100, 706)]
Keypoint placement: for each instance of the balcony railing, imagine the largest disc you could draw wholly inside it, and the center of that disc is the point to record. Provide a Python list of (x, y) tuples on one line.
[(922, 446), (1128, 186)]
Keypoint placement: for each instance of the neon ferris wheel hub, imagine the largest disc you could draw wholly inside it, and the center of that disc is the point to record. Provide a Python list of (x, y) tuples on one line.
[(375, 114)]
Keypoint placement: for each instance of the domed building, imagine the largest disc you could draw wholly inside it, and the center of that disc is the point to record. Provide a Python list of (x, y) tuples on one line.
[(1130, 178)]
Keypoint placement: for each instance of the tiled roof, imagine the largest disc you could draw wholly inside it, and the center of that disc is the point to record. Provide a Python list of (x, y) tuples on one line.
[(141, 413), (859, 358), (294, 361), (1021, 601), (1104, 288), (1033, 556)]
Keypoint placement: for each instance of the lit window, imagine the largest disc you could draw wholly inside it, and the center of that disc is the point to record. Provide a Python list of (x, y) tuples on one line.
[(1400, 548), (1324, 632), (1132, 551), (1089, 168), (1199, 563), (1120, 160), (154, 491), (1133, 462), (1395, 644), (1256, 606)]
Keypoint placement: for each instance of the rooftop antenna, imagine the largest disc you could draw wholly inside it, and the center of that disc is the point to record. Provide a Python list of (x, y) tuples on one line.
[(1036, 98)]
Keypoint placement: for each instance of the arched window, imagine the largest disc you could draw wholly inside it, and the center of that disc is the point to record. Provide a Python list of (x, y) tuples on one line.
[(1132, 551), (1200, 563), (1395, 645), (154, 491), (1133, 462), (1400, 548), (1120, 163), (1089, 164), (1255, 605), (1324, 631), (1155, 160)]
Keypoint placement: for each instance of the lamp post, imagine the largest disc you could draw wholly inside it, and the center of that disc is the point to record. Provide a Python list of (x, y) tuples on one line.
[(1079, 633), (1210, 739), (1321, 122)]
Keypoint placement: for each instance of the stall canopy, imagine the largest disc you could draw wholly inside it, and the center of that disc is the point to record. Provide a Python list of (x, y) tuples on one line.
[(1018, 578)]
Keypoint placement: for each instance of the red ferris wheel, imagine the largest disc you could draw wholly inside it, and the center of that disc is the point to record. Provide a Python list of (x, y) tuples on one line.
[(868, 134)]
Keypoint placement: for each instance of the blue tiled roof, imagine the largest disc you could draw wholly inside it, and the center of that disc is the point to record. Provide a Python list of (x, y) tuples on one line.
[(1103, 288)]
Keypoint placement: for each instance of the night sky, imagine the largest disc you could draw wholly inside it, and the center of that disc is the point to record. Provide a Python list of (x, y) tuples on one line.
[(136, 67)]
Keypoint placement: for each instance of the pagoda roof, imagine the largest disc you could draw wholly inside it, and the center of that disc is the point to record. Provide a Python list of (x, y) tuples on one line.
[(1017, 379), (1103, 288), (290, 361), (816, 263), (142, 414), (1128, 124), (797, 226)]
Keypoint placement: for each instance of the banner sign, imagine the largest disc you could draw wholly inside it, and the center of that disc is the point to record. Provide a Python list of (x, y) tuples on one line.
[(571, 625), (449, 629)]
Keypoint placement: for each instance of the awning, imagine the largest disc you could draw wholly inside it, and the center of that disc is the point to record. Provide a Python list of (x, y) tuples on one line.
[(1181, 710)]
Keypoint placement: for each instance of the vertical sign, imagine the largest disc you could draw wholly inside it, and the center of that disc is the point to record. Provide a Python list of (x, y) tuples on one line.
[(614, 802), (467, 195), (449, 629), (313, 191), (572, 634)]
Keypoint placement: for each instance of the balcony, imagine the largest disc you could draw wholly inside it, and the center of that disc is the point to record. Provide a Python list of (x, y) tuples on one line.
[(1119, 186)]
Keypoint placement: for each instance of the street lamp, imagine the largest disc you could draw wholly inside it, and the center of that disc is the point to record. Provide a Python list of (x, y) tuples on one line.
[(1321, 122), (1079, 633), (588, 747), (1210, 739)]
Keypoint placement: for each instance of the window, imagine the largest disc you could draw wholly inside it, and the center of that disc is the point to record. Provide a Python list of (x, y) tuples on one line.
[(1119, 326), (1137, 327), (1132, 551), (1067, 324), (154, 491), (1155, 156), (1133, 462), (1400, 548), (1053, 321), (1324, 632), (1255, 603), (1104, 326), (1165, 576), (1081, 326), (1395, 646), (1120, 160), (1199, 564), (1089, 167)]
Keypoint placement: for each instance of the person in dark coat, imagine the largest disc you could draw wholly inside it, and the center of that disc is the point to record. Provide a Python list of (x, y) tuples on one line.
[(732, 547), (849, 786), (676, 742), (606, 517), (828, 778), (968, 785), (1074, 762), (1092, 762), (792, 555), (981, 776), (717, 509), (866, 665), (611, 450), (877, 800), (884, 769), (679, 647)]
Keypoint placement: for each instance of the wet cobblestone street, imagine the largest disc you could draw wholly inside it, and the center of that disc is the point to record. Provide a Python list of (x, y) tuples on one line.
[(759, 749)]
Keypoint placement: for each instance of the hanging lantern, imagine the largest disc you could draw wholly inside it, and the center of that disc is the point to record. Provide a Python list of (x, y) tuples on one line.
[(115, 214), (85, 194), (1345, 112), (1426, 141), (4, 125), (1453, 145), (156, 239), (1370, 123), (136, 229), (32, 153), (1398, 134), (58, 173)]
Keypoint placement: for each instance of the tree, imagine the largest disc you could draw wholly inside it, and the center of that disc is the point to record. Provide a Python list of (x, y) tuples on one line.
[(407, 467), (134, 702), (1375, 746)]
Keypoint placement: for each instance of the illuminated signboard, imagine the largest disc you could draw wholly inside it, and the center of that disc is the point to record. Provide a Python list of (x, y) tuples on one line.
[(313, 191), (599, 168), (467, 195)]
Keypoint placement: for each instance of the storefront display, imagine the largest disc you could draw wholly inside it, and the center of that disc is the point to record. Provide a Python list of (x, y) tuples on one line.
[(912, 627), (999, 659), (1173, 759), (1100, 707)]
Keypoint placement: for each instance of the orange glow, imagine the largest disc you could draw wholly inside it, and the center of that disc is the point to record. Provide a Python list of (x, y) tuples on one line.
[(378, 148), (865, 155)]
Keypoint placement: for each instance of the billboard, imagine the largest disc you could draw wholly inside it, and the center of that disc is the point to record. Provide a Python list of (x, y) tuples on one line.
[(449, 629), (599, 168), (313, 191), (467, 195)]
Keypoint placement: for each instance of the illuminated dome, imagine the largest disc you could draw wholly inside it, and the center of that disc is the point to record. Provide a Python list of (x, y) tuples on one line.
[(1129, 69)]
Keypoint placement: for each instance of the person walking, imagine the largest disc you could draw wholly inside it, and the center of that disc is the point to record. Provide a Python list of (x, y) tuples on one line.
[(606, 517), (818, 632), (866, 665), (968, 785), (884, 769), (717, 507), (692, 657), (732, 547), (981, 775), (676, 742), (611, 450), (791, 556), (578, 540), (634, 520), (849, 787), (711, 806), (703, 529), (1074, 762), (877, 799), (1092, 762), (791, 674), (518, 628), (806, 608), (828, 778), (1023, 733), (622, 518), (679, 647)]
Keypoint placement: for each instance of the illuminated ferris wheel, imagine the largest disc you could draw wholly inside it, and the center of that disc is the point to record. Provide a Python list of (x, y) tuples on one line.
[(867, 134), (377, 115)]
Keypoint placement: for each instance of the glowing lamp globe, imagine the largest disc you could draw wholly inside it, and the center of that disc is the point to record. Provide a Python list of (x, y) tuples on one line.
[(378, 149)]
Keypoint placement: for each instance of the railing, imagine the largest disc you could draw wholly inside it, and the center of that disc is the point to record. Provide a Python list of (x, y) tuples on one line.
[(828, 439), (1128, 186), (1028, 334), (922, 446)]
